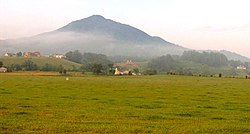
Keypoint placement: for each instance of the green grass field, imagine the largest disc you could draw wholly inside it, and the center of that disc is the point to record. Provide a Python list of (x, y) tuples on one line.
[(40, 61), (109, 104)]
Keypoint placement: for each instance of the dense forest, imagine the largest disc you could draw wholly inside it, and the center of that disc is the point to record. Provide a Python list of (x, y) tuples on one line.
[(196, 63)]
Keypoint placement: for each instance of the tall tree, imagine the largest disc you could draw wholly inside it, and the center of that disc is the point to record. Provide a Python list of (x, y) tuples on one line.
[(1, 63), (162, 64), (74, 56), (28, 65), (97, 68), (19, 54), (16, 67)]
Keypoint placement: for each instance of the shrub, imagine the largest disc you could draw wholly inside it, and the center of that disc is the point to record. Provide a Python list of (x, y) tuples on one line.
[(150, 72)]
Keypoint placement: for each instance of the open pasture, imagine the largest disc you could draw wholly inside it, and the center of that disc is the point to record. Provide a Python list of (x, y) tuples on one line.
[(109, 104)]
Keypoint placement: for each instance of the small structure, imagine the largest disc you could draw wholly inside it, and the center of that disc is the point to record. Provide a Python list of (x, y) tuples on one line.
[(129, 64), (126, 72), (58, 56), (241, 67), (126, 68), (117, 72), (3, 69), (9, 54), (31, 54)]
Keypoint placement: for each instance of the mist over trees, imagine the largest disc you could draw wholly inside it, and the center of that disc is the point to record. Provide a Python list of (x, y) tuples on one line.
[(74, 56), (163, 63), (190, 63), (91, 62), (193, 62), (211, 59)]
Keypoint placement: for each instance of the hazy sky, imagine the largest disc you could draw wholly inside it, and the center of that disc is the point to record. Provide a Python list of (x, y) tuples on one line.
[(196, 24)]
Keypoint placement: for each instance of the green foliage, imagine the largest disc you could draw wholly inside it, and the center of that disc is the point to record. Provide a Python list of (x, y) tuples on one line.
[(111, 68), (51, 67), (82, 68), (162, 64), (1, 63), (96, 63), (143, 104), (43, 63), (16, 67), (28, 65), (19, 54), (60, 69), (136, 70), (150, 72), (95, 58), (74, 56), (195, 63), (211, 59), (97, 68), (47, 67)]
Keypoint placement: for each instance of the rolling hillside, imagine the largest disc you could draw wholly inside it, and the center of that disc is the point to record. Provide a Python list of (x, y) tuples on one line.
[(40, 61)]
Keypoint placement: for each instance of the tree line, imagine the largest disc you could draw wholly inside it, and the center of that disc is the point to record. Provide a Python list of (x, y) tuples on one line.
[(91, 62), (193, 62), (29, 65)]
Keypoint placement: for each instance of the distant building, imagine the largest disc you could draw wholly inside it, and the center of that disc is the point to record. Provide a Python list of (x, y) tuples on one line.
[(59, 56), (241, 67), (3, 69), (125, 68), (31, 54), (117, 72), (128, 64), (9, 54)]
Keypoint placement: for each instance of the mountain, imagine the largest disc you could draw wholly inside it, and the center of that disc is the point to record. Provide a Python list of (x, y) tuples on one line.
[(234, 56), (98, 24), (95, 34)]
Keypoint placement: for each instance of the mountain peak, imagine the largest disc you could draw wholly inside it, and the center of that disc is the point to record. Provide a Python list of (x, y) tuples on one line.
[(85, 25), (96, 17), (93, 18), (97, 24), (99, 35)]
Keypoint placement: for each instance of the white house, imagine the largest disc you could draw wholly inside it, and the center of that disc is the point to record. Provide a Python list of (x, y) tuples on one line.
[(117, 72), (59, 56), (241, 67), (9, 54), (3, 69)]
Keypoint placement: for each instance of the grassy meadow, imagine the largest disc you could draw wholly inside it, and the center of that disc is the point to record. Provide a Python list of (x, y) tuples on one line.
[(40, 61), (124, 104)]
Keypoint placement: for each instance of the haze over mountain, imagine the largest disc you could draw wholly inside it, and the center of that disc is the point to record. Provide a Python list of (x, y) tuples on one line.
[(234, 56), (99, 35), (95, 34), (229, 55)]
